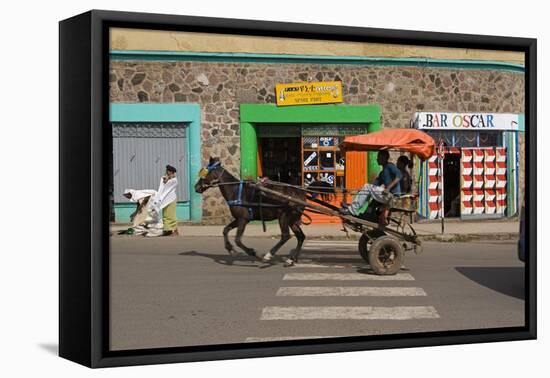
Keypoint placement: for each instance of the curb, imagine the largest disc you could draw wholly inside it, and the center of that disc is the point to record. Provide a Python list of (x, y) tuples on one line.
[(441, 238), (458, 238), (444, 238)]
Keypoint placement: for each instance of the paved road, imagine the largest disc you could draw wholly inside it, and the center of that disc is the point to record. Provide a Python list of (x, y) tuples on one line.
[(188, 291)]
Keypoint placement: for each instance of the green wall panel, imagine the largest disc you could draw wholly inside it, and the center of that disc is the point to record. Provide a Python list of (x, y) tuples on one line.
[(254, 114)]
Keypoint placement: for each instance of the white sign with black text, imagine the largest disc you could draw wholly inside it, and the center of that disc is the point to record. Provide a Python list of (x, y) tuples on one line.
[(465, 121)]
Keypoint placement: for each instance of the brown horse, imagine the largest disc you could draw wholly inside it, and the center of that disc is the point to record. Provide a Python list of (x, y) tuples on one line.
[(247, 204)]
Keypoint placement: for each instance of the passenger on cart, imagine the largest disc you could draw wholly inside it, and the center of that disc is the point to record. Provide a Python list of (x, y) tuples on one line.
[(406, 181), (376, 196)]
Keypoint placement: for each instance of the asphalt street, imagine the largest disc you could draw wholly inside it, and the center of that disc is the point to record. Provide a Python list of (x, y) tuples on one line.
[(182, 291)]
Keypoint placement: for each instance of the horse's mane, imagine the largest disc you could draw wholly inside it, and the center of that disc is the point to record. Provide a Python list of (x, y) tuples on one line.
[(233, 178)]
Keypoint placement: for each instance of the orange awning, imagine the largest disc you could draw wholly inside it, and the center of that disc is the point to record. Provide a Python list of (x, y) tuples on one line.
[(410, 140)]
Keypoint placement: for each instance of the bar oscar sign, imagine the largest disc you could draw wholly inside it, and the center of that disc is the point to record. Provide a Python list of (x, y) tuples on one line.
[(466, 121), (326, 92)]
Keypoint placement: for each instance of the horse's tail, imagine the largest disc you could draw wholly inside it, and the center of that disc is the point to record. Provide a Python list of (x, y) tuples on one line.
[(323, 189)]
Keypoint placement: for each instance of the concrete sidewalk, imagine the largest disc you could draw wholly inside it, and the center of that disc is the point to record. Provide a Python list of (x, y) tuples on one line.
[(454, 230)]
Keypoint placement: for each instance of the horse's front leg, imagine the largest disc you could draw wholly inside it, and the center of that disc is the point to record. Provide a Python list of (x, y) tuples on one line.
[(241, 225), (228, 245), (285, 236), (295, 254)]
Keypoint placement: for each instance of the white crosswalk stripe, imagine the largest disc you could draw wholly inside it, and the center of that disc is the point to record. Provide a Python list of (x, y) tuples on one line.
[(283, 338), (338, 252), (313, 265), (345, 277), (348, 291), (330, 246), (319, 256), (332, 250), (349, 312), (315, 248), (331, 242)]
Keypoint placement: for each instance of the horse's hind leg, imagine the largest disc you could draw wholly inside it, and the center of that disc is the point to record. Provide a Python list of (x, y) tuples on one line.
[(285, 236), (241, 225), (228, 245), (300, 236)]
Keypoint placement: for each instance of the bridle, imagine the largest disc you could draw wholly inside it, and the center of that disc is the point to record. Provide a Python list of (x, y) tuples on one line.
[(210, 168)]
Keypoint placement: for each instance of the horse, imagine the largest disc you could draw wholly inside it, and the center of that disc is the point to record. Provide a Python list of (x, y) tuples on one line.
[(247, 204)]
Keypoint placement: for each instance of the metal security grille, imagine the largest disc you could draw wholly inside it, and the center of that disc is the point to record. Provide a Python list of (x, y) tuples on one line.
[(141, 152), (149, 130), (274, 130), (331, 129)]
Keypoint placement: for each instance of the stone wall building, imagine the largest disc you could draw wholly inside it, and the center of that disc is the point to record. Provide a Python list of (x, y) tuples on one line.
[(220, 86)]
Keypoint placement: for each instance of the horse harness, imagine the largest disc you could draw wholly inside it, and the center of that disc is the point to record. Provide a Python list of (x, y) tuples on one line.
[(239, 201)]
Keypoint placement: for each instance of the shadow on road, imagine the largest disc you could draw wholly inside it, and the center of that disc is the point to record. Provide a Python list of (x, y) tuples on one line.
[(506, 280), (226, 259)]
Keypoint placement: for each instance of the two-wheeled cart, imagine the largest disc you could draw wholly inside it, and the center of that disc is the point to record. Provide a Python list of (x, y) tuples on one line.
[(381, 246)]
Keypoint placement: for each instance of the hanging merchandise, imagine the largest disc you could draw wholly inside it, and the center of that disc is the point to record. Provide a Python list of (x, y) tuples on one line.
[(434, 189), (483, 187), (501, 180), (490, 182), (466, 180), (479, 194)]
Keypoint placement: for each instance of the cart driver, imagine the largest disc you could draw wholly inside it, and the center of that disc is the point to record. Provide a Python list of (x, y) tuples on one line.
[(387, 182)]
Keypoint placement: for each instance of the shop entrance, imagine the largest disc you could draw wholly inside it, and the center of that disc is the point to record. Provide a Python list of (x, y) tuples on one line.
[(451, 185), (299, 144), (301, 160), (280, 159)]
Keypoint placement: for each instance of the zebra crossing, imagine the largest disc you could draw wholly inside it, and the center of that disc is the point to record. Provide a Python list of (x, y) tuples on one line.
[(323, 280)]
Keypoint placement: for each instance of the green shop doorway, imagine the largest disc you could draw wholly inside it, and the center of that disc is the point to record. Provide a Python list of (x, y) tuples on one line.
[(279, 159), (299, 144)]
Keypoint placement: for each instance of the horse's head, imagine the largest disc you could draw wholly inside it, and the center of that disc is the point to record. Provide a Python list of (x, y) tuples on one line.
[(210, 175)]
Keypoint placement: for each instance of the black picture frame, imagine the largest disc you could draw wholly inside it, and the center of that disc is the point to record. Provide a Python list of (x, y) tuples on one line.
[(84, 208)]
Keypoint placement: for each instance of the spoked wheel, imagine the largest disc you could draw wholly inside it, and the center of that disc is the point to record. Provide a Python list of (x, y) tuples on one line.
[(386, 256), (366, 240)]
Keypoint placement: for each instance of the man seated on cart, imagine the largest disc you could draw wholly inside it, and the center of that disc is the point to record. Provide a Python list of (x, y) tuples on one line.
[(381, 191)]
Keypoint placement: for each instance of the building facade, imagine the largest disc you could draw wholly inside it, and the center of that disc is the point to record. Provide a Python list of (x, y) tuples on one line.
[(475, 173), (193, 105)]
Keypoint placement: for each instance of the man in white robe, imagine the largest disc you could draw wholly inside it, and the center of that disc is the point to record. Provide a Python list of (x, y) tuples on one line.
[(166, 201)]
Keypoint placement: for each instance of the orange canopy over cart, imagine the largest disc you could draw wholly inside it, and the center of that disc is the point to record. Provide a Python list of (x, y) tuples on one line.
[(410, 140)]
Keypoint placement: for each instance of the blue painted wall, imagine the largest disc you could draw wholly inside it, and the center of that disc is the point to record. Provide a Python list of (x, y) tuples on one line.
[(188, 113)]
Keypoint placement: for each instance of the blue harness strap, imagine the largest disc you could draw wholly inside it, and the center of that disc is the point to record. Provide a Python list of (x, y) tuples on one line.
[(213, 166), (239, 202), (235, 202)]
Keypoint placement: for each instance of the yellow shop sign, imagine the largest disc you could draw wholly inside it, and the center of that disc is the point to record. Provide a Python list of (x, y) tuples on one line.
[(325, 92)]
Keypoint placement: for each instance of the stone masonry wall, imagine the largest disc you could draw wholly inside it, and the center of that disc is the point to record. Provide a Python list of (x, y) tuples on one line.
[(219, 88)]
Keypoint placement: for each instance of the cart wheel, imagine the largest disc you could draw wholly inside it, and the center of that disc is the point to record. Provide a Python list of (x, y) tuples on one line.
[(366, 241), (386, 256)]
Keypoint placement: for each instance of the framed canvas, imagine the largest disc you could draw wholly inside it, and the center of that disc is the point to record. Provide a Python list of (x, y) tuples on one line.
[(234, 188)]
